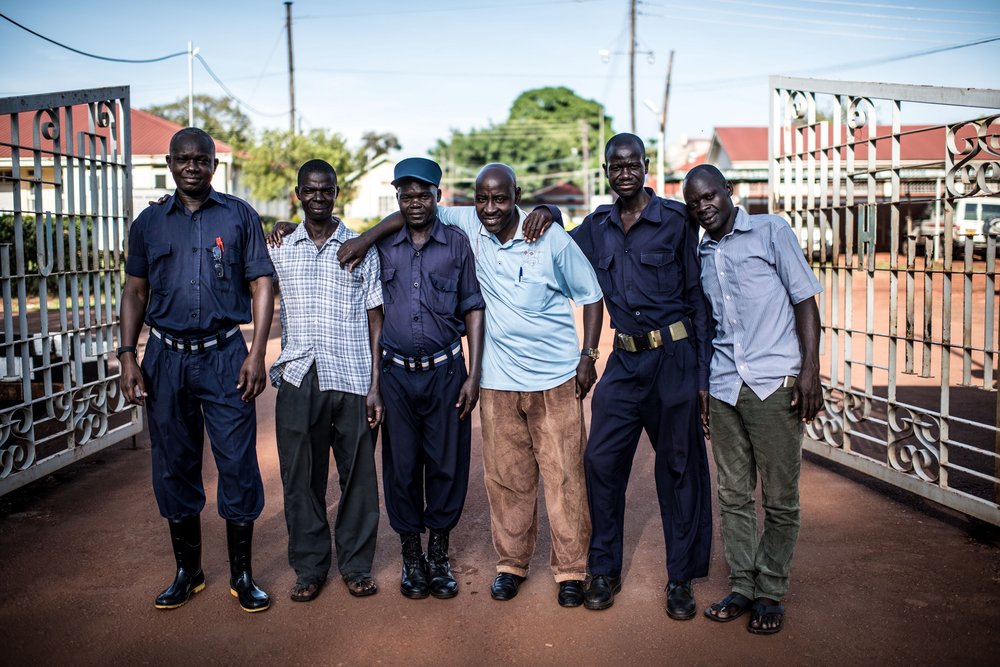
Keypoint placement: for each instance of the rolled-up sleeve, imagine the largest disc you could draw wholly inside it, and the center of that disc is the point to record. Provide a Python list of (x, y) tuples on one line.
[(136, 263), (256, 260), (470, 296), (371, 275)]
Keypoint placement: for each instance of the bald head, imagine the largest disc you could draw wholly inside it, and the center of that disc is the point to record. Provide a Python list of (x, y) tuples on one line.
[(706, 172), (192, 135), (498, 171), (624, 140)]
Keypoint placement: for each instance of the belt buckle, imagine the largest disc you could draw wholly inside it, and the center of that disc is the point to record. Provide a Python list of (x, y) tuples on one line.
[(626, 342), (655, 339), (678, 331)]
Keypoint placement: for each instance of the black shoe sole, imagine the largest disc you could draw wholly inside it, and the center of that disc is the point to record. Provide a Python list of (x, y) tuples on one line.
[(679, 617), (444, 596), (598, 606), (413, 595)]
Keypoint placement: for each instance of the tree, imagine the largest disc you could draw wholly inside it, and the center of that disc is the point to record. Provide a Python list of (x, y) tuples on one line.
[(273, 163), (542, 139), (219, 116)]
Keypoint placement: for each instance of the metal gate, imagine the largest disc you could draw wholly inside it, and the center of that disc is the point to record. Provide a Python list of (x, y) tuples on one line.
[(65, 205), (896, 219)]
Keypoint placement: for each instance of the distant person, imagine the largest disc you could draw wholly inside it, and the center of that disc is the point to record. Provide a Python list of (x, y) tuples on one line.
[(764, 386), (328, 392), (197, 269), (535, 377), (644, 249)]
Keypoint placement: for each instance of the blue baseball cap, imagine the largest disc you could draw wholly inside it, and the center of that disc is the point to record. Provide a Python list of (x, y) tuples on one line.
[(419, 168)]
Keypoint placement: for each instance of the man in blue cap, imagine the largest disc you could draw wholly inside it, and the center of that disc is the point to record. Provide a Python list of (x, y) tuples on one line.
[(431, 299)]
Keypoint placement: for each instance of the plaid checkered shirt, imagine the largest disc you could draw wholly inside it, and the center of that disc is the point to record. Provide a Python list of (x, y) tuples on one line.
[(324, 308)]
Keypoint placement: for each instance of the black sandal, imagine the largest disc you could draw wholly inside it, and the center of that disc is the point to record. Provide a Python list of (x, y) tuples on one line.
[(737, 600), (762, 611)]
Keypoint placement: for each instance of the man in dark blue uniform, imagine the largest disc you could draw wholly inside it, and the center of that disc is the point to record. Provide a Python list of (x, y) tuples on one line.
[(431, 298), (645, 252), (198, 268)]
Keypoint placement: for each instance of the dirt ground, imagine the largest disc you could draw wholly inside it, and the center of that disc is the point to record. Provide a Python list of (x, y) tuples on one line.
[(879, 577)]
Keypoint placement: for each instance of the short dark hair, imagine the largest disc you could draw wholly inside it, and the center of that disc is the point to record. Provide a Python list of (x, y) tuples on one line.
[(624, 138), (316, 166), (196, 132)]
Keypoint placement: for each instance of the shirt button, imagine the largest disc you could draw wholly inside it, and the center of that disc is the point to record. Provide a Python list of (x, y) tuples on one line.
[(418, 253), (416, 284), (194, 315), (727, 297), (626, 251), (416, 318), (637, 313), (723, 274), (193, 282), (194, 250)]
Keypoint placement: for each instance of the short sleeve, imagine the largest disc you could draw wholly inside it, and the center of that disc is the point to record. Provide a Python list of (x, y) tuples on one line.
[(462, 217), (470, 296), (574, 273), (256, 260), (371, 273), (790, 263), (136, 263)]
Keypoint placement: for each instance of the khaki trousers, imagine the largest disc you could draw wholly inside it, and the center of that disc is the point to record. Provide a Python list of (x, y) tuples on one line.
[(525, 433)]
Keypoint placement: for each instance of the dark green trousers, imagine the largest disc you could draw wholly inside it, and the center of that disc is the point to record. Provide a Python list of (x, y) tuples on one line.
[(308, 424), (758, 438)]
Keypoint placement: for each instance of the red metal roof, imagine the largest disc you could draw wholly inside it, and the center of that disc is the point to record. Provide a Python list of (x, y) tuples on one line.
[(150, 134), (924, 143)]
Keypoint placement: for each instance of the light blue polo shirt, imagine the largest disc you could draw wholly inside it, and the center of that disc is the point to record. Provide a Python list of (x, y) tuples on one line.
[(530, 342)]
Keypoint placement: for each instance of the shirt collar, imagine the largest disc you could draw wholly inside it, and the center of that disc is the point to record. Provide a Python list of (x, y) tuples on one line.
[(741, 224), (340, 234), (653, 212), (437, 233), (175, 201)]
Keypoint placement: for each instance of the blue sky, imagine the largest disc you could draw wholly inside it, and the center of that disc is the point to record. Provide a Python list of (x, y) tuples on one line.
[(419, 68)]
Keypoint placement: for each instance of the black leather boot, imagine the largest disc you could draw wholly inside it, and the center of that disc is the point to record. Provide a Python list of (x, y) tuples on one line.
[(442, 584), (239, 537), (413, 583), (185, 536)]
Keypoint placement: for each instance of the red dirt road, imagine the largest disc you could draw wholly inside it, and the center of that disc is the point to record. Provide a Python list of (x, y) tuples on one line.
[(878, 578)]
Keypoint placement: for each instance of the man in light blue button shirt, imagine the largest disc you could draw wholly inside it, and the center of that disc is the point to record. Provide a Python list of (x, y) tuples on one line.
[(764, 384), (534, 378)]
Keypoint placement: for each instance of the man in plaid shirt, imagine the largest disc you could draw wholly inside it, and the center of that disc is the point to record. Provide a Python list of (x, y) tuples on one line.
[(328, 391)]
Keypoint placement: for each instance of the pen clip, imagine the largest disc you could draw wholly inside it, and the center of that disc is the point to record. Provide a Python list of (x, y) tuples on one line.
[(219, 244)]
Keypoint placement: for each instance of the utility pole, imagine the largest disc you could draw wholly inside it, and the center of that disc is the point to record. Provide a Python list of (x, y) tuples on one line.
[(192, 52), (585, 139), (291, 68), (661, 153), (292, 208), (600, 147), (631, 62)]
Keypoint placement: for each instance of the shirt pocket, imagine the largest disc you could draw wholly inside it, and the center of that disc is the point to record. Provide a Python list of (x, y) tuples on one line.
[(388, 278), (160, 270), (530, 295), (444, 295), (232, 270), (663, 269), (605, 267)]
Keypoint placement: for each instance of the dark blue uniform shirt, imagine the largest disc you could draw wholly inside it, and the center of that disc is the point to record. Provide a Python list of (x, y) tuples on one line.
[(173, 249), (651, 275), (427, 291)]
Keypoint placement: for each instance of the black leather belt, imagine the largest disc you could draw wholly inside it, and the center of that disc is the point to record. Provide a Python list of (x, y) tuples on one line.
[(653, 339), (193, 344), (424, 363)]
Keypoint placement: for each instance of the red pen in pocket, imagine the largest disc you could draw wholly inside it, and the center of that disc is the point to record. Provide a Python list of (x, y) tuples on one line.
[(219, 244)]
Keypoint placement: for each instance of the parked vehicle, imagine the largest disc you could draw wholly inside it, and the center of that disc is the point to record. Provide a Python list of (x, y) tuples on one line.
[(974, 217)]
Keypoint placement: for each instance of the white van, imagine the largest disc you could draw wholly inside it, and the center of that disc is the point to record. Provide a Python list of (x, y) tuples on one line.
[(974, 216)]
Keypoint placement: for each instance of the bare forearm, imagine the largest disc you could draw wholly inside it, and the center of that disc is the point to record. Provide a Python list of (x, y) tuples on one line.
[(593, 319), (807, 327), (135, 297), (386, 227), (474, 333), (375, 319), (262, 290)]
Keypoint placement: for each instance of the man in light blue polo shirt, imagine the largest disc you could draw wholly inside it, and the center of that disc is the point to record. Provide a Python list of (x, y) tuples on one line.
[(763, 384), (535, 377)]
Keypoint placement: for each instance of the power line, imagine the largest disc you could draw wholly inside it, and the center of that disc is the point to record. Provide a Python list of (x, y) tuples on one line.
[(838, 12), (908, 8), (93, 55), (231, 94), (431, 10)]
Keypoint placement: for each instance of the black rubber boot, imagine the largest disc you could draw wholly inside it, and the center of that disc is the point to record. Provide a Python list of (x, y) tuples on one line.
[(239, 537), (442, 584), (185, 536), (413, 583)]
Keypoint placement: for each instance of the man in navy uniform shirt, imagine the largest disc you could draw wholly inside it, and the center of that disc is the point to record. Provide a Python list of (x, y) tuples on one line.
[(198, 268), (431, 298), (645, 251)]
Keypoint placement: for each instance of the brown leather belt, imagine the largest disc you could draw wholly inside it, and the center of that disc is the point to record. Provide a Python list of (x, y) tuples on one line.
[(653, 339)]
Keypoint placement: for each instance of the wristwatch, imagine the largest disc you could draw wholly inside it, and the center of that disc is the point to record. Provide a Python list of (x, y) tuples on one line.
[(591, 352), (124, 349)]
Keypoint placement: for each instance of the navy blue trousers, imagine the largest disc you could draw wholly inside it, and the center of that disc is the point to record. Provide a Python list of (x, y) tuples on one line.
[(655, 391), (425, 447), (189, 393)]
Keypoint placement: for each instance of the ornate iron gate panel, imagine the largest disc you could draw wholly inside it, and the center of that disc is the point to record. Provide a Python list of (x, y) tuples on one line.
[(896, 220), (65, 206)]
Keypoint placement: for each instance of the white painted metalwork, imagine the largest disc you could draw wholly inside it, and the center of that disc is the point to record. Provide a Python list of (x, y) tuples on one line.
[(901, 312), (65, 204)]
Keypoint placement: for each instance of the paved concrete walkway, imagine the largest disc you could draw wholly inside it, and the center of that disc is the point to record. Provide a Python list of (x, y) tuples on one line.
[(878, 578)]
